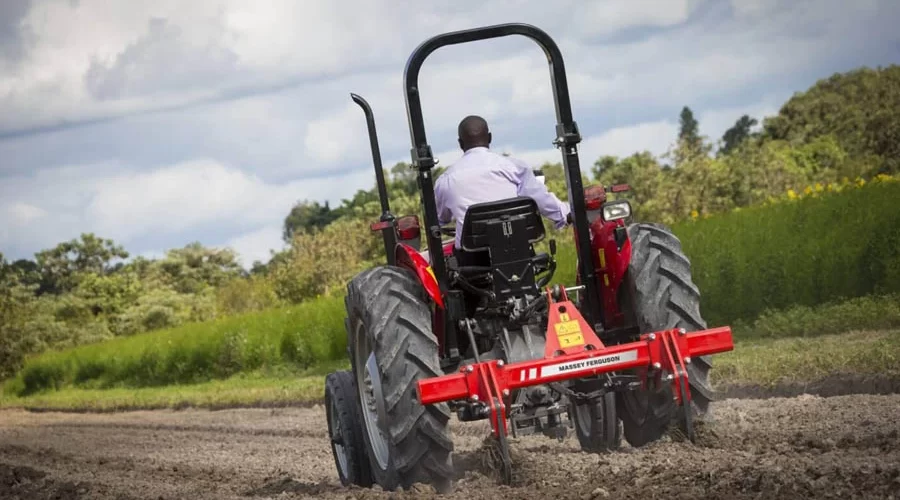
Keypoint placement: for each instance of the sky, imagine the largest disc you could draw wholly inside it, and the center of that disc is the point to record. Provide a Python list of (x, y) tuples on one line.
[(159, 123)]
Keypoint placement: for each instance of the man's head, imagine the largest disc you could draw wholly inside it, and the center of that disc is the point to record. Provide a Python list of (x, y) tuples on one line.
[(473, 132)]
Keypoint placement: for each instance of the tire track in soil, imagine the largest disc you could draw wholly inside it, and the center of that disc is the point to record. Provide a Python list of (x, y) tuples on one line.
[(801, 447)]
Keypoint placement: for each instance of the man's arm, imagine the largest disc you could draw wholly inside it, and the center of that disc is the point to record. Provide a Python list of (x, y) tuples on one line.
[(550, 206), (443, 211)]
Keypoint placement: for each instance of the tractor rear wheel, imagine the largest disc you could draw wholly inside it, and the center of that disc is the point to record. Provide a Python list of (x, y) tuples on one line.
[(661, 295), (392, 346), (342, 410)]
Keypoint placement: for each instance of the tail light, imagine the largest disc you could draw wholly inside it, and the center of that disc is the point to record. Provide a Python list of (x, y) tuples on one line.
[(408, 227), (594, 196)]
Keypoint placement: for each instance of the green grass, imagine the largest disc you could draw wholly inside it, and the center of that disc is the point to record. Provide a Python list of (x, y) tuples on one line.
[(244, 389), (875, 312), (764, 362), (804, 252), (768, 362), (297, 337)]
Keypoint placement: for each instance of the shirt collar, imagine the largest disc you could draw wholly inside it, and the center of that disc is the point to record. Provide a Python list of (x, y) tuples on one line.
[(476, 149)]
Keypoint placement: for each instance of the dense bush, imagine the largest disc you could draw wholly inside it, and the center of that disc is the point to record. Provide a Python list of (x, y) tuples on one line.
[(805, 250)]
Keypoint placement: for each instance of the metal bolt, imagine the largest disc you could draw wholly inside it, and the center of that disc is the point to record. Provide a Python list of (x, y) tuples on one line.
[(474, 397), (670, 377), (500, 363), (652, 336), (682, 331), (657, 365), (470, 369), (687, 360), (506, 392)]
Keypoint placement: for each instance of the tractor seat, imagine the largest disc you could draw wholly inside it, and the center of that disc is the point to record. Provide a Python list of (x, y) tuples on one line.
[(497, 243)]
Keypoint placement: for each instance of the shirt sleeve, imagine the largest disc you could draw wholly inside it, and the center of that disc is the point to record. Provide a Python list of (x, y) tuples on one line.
[(443, 211), (550, 206)]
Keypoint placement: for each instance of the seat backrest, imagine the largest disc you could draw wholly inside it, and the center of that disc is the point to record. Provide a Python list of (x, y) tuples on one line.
[(501, 235), (510, 226)]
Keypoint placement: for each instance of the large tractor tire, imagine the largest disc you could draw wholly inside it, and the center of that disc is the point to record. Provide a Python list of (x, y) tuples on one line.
[(661, 295), (392, 346), (343, 412)]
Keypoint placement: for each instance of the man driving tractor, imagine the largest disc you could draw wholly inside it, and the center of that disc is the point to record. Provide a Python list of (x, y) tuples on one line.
[(482, 176)]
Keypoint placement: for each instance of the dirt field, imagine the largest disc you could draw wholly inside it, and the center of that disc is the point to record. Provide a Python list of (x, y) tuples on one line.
[(803, 447)]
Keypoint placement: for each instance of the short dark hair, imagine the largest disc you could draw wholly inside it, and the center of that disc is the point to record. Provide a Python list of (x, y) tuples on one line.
[(473, 132)]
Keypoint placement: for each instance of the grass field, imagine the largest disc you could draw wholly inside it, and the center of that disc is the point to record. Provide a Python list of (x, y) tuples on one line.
[(296, 337), (763, 362)]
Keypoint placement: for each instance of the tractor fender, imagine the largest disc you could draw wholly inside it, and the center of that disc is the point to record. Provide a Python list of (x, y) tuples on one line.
[(409, 258)]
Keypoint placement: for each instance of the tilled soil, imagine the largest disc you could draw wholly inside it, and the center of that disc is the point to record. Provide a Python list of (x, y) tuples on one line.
[(803, 447)]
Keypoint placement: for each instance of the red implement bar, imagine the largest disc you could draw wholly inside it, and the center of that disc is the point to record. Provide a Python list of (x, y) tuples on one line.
[(574, 351)]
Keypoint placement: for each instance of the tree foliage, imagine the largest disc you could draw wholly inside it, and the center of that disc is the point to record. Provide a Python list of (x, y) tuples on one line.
[(858, 109), (738, 132)]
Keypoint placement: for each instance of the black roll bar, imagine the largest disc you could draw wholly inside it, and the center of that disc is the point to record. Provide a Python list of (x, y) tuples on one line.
[(567, 139)]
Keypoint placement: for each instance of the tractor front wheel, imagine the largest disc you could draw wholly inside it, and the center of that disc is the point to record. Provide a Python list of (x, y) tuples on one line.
[(342, 410), (661, 295), (595, 421), (392, 346)]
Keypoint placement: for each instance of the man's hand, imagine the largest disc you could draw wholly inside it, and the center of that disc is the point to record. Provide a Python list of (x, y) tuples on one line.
[(570, 219)]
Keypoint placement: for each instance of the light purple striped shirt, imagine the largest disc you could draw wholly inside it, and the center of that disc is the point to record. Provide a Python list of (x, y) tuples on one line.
[(481, 176)]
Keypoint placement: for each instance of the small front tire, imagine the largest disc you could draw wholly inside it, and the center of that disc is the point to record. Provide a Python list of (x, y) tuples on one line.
[(596, 423), (342, 412)]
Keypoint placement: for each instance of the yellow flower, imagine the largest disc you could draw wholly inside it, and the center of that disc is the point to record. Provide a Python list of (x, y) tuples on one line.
[(694, 214), (791, 194), (830, 187), (819, 187), (808, 190), (860, 182)]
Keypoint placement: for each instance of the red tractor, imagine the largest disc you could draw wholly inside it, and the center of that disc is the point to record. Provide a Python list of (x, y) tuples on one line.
[(491, 340)]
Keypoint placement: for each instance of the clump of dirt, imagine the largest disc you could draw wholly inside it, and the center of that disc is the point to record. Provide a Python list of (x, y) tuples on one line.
[(20, 482)]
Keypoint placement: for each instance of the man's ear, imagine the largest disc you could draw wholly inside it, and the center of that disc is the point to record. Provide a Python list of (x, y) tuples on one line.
[(490, 139), (459, 141)]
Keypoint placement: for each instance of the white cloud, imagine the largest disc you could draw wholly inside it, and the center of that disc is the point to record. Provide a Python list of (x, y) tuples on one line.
[(257, 245), (24, 213), (607, 17), (174, 201)]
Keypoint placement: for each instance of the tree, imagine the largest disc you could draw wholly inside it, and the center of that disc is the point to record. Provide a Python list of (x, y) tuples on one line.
[(689, 129), (403, 179), (61, 266), (644, 175), (16, 309), (737, 134), (307, 216), (857, 108), (194, 268)]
